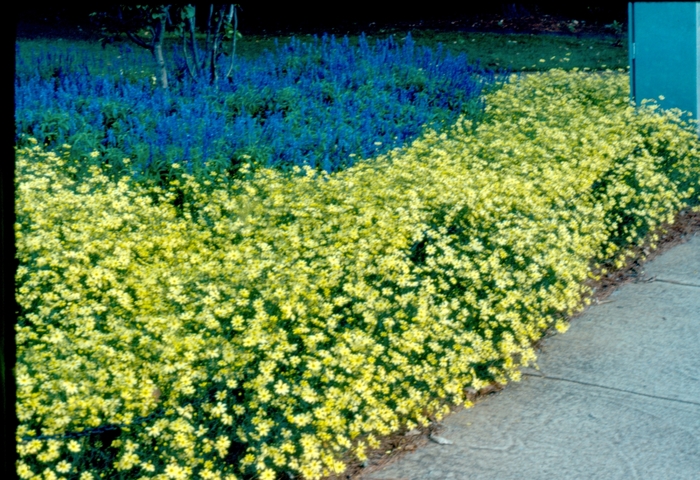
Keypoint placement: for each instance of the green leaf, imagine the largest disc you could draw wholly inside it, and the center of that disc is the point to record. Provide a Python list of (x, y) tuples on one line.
[(188, 11)]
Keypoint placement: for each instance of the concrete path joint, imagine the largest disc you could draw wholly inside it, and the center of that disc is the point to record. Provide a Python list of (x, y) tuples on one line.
[(610, 388), (677, 283)]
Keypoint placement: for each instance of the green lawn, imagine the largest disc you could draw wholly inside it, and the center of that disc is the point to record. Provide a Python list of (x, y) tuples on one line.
[(519, 52)]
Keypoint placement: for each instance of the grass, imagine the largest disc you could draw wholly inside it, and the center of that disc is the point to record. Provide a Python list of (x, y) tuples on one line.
[(515, 51)]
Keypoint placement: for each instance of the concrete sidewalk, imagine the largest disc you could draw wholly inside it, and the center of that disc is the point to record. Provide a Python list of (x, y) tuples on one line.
[(616, 397)]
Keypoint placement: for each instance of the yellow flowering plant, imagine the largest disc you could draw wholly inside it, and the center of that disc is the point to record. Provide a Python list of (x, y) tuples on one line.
[(279, 322)]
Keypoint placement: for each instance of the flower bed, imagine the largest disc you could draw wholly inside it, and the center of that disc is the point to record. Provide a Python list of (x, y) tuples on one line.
[(325, 104), (283, 321)]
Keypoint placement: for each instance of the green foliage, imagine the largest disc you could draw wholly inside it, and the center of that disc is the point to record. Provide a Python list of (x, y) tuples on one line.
[(616, 27), (54, 125)]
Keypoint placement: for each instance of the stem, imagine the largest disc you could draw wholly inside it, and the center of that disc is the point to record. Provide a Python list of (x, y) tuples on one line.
[(158, 35), (187, 58), (138, 41)]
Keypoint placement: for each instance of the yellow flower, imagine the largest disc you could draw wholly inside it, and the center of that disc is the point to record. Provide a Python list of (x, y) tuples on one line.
[(267, 474), (23, 470), (222, 444), (73, 446), (63, 467), (281, 388), (561, 326), (175, 471)]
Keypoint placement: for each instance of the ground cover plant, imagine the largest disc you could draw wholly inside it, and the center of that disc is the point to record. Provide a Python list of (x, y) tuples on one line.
[(278, 323), (322, 103)]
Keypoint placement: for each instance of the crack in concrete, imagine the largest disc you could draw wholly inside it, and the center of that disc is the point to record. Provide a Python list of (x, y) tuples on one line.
[(689, 402), (677, 283)]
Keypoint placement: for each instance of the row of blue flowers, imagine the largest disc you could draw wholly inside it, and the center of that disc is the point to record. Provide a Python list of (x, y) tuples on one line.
[(323, 103)]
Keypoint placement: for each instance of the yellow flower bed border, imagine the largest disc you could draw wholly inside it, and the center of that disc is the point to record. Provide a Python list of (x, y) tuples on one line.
[(306, 316)]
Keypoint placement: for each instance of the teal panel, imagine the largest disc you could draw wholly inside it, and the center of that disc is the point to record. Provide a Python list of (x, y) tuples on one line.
[(665, 53)]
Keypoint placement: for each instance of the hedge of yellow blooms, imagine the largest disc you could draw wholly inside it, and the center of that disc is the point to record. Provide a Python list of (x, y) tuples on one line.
[(307, 315)]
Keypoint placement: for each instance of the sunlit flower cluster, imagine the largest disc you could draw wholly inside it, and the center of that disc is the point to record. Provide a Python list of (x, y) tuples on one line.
[(282, 321)]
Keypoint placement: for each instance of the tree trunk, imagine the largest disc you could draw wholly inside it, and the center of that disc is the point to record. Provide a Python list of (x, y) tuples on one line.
[(213, 74), (193, 43), (235, 33), (160, 66), (159, 35)]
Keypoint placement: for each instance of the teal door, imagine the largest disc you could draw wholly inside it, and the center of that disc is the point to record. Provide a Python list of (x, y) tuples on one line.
[(665, 54)]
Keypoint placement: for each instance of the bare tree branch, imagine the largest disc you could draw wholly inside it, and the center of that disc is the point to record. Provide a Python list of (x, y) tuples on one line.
[(131, 20)]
